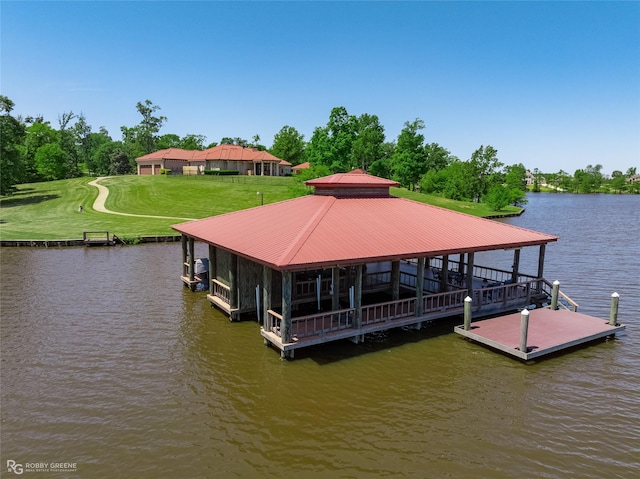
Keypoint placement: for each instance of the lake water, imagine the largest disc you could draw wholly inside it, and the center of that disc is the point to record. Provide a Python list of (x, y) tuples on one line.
[(108, 363)]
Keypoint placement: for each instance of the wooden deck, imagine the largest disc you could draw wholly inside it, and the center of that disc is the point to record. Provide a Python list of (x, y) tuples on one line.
[(549, 332)]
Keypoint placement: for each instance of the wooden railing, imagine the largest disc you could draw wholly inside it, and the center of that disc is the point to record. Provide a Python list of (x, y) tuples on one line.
[(564, 301), (312, 324), (221, 290), (443, 301), (377, 313)]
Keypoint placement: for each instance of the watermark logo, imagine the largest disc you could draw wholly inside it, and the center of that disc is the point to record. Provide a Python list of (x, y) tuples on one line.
[(14, 467)]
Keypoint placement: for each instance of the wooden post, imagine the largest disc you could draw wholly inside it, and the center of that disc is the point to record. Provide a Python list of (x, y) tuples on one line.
[(233, 282), (285, 324), (524, 329), (357, 323), (192, 264), (185, 255), (420, 287), (395, 280), (613, 315), (541, 266), (444, 276), (516, 265), (469, 275), (467, 313), (266, 292), (213, 266), (335, 278), (554, 295)]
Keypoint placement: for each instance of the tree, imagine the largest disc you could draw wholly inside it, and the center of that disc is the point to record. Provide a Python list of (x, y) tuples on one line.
[(12, 133), (150, 125), (484, 165), (37, 134), (192, 142), (498, 197), (289, 145), (436, 157), (170, 140), (52, 162), (366, 147), (332, 145), (408, 161), (119, 163), (95, 164)]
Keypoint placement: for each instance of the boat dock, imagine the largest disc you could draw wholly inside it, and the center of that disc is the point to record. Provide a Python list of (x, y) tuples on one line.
[(548, 331)]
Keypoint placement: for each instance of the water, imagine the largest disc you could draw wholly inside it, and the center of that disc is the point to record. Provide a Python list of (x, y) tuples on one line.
[(109, 363)]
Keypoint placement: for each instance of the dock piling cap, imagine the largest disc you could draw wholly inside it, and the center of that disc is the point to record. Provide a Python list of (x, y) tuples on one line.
[(615, 295), (467, 299)]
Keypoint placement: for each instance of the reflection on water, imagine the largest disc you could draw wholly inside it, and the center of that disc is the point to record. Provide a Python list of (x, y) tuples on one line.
[(108, 362)]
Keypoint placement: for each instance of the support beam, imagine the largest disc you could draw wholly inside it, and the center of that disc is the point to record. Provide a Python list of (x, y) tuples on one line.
[(357, 302), (395, 280), (541, 266), (285, 325), (420, 287), (267, 278), (469, 275), (444, 276), (185, 255), (192, 263), (335, 278), (541, 260), (213, 266), (516, 265), (233, 281)]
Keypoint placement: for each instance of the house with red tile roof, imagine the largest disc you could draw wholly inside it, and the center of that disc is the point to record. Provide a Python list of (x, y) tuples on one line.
[(247, 161), (352, 259)]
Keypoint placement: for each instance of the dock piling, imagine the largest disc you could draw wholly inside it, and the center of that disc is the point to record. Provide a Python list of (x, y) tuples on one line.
[(613, 315), (554, 295), (524, 329), (467, 313)]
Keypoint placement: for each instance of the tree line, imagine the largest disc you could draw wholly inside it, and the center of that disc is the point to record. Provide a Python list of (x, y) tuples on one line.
[(33, 150)]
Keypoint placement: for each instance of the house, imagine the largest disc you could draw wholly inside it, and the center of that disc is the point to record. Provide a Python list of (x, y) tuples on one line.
[(173, 159), (351, 259), (247, 161), (634, 179), (302, 166)]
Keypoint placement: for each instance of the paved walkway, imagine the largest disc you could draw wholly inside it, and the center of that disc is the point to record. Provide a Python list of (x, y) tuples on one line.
[(103, 193)]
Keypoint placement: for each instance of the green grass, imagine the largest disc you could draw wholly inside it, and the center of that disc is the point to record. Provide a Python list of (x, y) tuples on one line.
[(50, 210), (476, 209)]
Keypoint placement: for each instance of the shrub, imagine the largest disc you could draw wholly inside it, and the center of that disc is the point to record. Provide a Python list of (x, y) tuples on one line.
[(221, 172), (165, 171)]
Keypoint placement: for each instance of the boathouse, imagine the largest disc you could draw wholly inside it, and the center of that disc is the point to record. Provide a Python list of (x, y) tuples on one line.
[(352, 259)]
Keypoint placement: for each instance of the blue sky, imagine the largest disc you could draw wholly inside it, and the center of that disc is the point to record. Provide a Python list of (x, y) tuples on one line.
[(552, 85)]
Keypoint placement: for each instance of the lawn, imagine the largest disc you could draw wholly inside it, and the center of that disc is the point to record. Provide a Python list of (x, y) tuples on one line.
[(50, 210)]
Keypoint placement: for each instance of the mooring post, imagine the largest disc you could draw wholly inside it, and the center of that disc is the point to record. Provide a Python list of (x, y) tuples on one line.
[(554, 295), (467, 313), (524, 329), (613, 315)]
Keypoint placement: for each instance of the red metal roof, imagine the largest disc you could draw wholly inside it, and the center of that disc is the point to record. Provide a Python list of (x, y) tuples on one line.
[(323, 231), (171, 154), (348, 180), (236, 153), (302, 166), (220, 152)]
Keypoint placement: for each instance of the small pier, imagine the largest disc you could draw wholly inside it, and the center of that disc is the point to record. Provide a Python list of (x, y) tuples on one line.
[(99, 238), (547, 331)]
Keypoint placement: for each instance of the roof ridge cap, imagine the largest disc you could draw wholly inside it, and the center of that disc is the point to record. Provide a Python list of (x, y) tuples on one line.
[(311, 225)]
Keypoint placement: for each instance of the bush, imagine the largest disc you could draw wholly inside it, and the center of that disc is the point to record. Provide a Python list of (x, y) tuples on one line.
[(221, 172), (165, 171)]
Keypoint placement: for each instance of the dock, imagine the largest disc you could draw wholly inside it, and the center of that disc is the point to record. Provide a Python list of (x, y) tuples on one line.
[(99, 238), (549, 331)]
